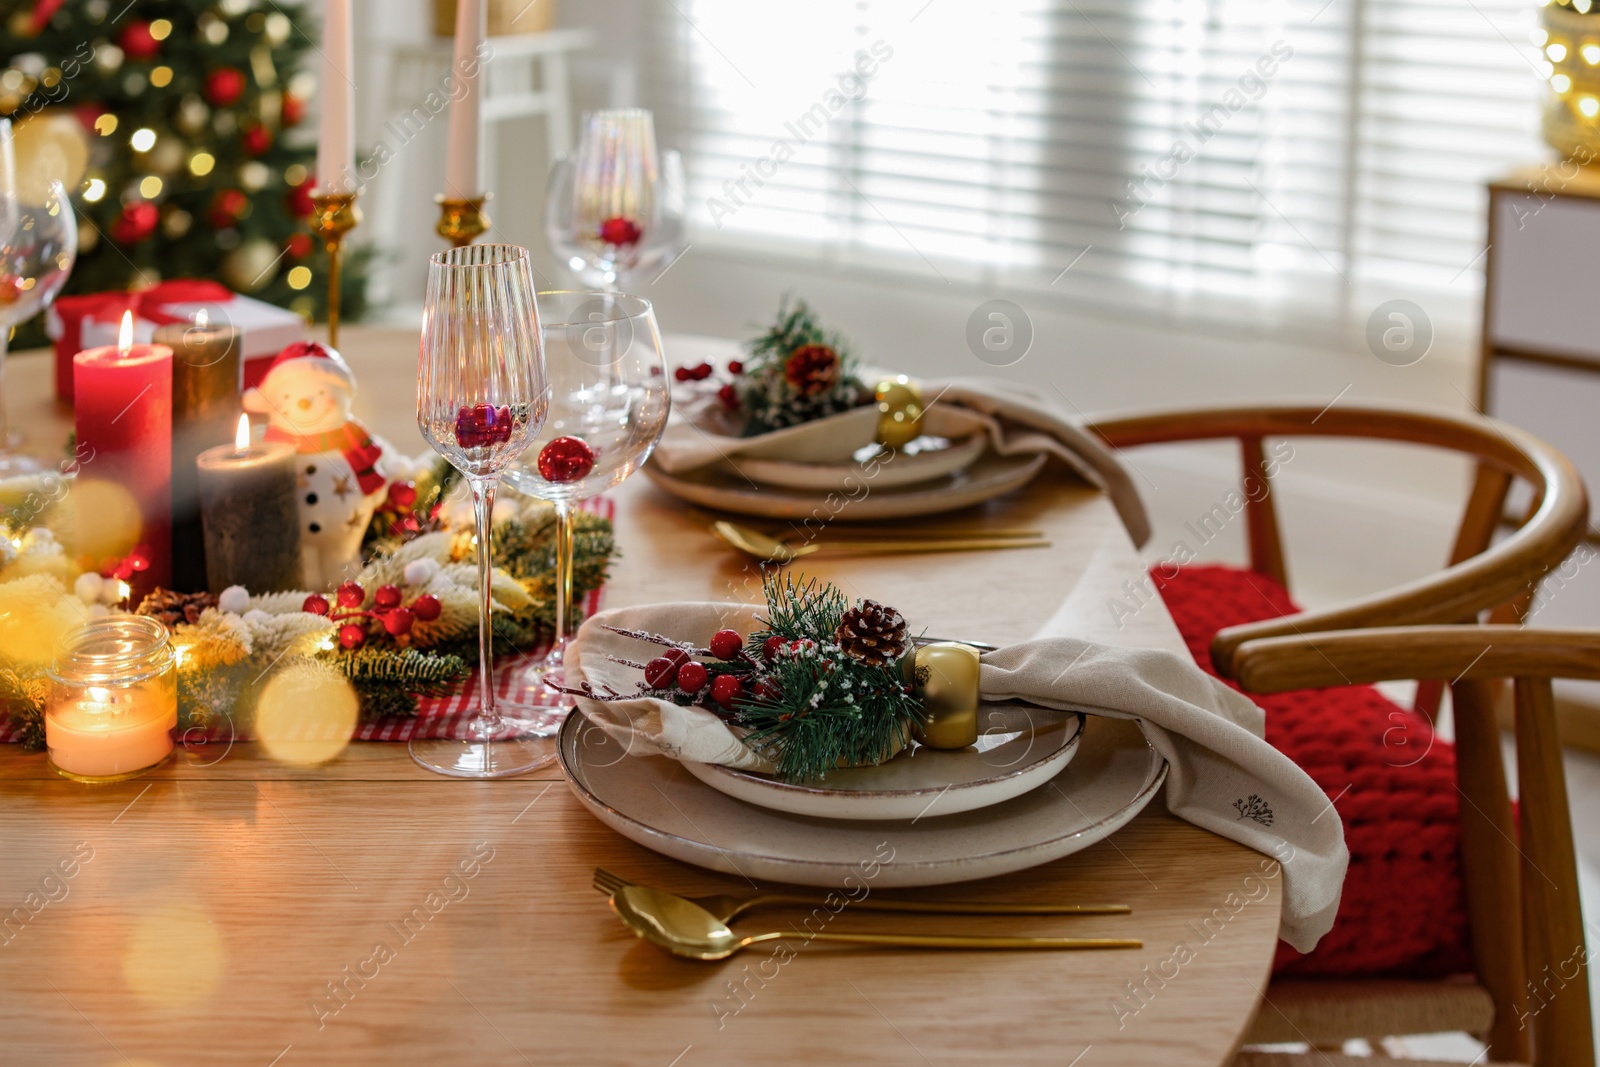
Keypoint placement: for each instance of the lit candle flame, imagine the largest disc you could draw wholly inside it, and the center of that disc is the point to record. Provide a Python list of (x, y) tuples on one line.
[(201, 319), (125, 335), (241, 439)]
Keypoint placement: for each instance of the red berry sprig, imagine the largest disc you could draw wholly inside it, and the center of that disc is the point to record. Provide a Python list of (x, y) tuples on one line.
[(388, 608)]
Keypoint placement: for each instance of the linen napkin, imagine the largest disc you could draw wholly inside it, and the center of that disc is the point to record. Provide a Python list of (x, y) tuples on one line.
[(1016, 424), (1223, 776)]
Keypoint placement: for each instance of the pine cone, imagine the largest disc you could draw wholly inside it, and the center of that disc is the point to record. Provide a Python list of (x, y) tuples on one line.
[(873, 633), (173, 608)]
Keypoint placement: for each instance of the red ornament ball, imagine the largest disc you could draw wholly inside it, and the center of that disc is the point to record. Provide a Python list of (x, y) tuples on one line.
[(726, 689), (725, 644), (566, 459), (316, 604), (620, 231), (294, 109), (399, 621), (692, 677), (771, 647), (256, 140), (226, 208), (299, 199), (137, 221), (137, 43), (387, 598), (483, 425), (658, 672), (426, 607), (224, 86), (298, 245), (402, 494), (351, 636), (351, 595)]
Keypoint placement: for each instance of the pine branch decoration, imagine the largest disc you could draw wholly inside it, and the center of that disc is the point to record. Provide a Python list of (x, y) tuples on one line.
[(797, 371)]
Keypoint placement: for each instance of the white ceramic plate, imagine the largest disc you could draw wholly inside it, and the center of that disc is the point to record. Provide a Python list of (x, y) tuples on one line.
[(1020, 748), (863, 501), (907, 468), (654, 801)]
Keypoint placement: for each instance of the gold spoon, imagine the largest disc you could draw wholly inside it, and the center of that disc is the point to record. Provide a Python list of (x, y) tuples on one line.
[(765, 547), (686, 929)]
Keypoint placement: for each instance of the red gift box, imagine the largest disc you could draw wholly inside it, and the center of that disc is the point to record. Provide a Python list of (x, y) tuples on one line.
[(91, 319)]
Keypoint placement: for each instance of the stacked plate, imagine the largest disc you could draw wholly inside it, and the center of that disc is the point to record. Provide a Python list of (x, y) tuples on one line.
[(1039, 785), (795, 472)]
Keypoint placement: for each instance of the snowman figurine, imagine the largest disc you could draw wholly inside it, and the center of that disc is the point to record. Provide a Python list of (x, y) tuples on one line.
[(306, 397)]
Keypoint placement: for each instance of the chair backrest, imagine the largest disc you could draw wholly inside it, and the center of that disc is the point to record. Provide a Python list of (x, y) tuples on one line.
[(1521, 874), (1481, 574)]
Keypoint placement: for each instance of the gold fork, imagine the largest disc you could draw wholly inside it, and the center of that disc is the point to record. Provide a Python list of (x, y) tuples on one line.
[(726, 907)]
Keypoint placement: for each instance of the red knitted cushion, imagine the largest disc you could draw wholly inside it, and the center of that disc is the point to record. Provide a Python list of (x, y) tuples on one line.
[(1392, 781)]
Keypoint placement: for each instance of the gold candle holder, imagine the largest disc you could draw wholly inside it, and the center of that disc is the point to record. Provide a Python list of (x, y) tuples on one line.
[(336, 215), (462, 221)]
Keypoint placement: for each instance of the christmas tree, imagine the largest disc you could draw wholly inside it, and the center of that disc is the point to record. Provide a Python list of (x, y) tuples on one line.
[(173, 125)]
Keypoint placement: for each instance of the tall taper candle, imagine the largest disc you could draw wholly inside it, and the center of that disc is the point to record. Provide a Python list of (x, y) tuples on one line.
[(462, 161), (336, 145), (252, 515), (207, 380), (123, 399)]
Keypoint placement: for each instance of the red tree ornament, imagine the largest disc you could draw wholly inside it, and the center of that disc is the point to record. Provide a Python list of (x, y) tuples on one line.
[(299, 199), (137, 43), (224, 86), (294, 109), (137, 221), (620, 231), (566, 459), (226, 207), (256, 140), (299, 245)]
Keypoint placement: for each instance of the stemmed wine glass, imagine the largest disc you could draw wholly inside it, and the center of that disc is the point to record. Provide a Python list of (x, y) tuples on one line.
[(481, 399), (609, 399), (616, 206), (38, 246)]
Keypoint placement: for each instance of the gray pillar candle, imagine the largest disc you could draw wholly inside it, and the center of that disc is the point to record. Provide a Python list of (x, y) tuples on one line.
[(251, 515), (207, 379)]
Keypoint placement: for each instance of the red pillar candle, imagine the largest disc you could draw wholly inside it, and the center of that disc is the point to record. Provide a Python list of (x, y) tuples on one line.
[(123, 399)]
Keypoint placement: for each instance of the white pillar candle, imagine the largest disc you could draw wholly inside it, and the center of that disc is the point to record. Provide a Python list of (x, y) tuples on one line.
[(462, 163), (336, 148)]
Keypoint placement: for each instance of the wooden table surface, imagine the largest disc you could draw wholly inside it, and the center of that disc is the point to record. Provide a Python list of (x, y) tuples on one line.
[(230, 910)]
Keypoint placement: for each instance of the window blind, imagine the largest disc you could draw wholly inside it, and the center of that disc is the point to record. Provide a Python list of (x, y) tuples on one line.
[(1277, 151)]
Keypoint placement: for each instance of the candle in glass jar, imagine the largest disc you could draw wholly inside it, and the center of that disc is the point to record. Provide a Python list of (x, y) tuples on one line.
[(123, 401), (250, 514), (113, 701), (207, 380)]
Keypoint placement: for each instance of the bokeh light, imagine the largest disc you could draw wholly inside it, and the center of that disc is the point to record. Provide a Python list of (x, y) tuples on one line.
[(306, 714)]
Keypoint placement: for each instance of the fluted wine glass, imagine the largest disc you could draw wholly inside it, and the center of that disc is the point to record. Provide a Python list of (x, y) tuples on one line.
[(609, 401), (38, 246), (481, 401), (615, 207)]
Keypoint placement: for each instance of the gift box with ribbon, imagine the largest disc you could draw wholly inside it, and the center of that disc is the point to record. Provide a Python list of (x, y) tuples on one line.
[(90, 319)]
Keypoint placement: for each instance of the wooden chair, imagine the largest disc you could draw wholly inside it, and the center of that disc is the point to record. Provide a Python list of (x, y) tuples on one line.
[(1522, 881), (1481, 577)]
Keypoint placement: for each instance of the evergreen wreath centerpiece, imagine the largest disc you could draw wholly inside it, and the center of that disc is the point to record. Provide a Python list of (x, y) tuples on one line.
[(820, 683)]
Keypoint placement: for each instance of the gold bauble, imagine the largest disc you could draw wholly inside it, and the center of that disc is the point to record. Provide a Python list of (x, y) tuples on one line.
[(945, 674), (250, 266), (50, 146), (899, 402)]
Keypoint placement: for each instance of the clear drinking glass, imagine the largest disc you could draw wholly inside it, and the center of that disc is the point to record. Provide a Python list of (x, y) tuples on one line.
[(38, 246), (615, 207), (481, 400), (609, 400)]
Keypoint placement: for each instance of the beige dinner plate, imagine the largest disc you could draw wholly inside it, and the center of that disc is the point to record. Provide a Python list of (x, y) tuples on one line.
[(990, 476), (1020, 747), (654, 801)]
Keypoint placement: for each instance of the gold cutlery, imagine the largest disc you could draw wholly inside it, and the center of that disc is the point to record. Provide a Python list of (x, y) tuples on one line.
[(765, 547), (725, 908), (685, 929)]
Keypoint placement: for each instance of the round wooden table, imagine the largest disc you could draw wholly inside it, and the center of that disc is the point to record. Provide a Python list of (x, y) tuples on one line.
[(232, 910)]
